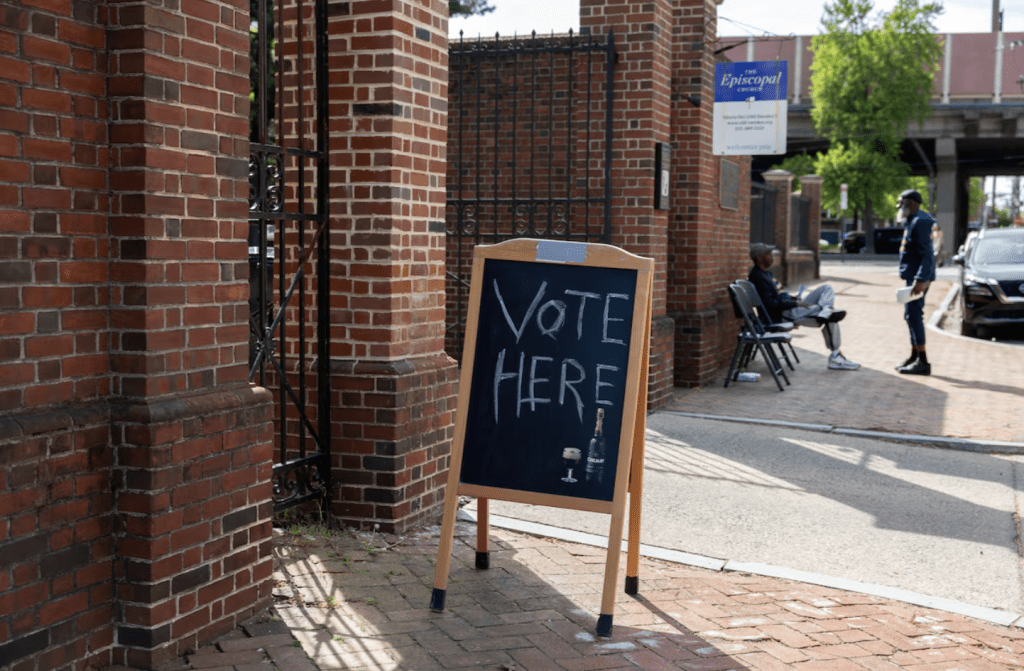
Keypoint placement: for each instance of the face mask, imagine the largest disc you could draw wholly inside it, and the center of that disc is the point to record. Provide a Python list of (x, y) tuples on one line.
[(905, 211)]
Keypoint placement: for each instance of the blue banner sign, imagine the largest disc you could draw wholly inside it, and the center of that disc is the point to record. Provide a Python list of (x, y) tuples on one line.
[(742, 82), (749, 117)]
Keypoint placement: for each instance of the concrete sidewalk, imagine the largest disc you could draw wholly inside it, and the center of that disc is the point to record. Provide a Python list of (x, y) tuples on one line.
[(358, 600)]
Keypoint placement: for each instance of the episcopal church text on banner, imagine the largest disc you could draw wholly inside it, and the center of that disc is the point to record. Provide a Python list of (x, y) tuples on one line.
[(750, 108)]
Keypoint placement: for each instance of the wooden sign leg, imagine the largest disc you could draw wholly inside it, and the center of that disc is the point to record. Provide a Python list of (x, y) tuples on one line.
[(444, 550), (636, 475), (483, 556), (611, 573)]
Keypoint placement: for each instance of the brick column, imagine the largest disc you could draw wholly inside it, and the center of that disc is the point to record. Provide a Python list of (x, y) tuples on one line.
[(782, 182), (643, 94), (56, 593), (810, 186), (191, 437), (395, 387), (709, 229)]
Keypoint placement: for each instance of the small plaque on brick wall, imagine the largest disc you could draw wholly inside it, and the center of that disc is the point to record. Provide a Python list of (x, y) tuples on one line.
[(729, 185)]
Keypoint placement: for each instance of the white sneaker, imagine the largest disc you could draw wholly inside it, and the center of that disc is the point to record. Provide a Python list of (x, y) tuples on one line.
[(839, 362)]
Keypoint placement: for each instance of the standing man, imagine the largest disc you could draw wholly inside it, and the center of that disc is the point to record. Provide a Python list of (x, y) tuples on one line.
[(917, 268)]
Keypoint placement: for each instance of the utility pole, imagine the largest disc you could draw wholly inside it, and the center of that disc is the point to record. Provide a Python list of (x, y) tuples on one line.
[(1015, 202), (997, 18)]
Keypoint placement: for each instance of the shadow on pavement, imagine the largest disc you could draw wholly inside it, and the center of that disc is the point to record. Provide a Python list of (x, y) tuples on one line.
[(359, 601)]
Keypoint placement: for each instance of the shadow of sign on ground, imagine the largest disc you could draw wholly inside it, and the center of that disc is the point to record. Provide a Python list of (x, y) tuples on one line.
[(360, 601)]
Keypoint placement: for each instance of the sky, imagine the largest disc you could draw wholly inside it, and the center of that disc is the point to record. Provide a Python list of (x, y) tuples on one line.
[(735, 17)]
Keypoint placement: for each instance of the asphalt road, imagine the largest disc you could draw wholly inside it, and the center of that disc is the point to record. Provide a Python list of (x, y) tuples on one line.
[(936, 522)]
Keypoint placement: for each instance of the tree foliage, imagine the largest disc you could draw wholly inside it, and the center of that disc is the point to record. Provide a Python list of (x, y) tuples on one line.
[(800, 164), (871, 77), (468, 7)]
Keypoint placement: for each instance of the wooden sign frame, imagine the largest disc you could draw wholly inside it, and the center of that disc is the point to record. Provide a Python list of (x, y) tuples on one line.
[(628, 474)]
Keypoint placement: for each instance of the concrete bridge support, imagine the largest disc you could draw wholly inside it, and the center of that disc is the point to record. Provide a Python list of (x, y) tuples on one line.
[(947, 193)]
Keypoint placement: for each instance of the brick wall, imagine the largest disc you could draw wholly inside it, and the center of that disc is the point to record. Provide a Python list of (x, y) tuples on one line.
[(134, 456), (664, 61), (56, 595), (709, 242), (393, 384)]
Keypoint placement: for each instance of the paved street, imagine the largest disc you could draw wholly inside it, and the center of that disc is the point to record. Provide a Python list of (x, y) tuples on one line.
[(772, 546), (933, 521)]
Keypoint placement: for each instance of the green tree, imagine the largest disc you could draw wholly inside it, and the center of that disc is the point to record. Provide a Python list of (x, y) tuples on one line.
[(468, 7), (800, 164), (976, 196), (871, 77)]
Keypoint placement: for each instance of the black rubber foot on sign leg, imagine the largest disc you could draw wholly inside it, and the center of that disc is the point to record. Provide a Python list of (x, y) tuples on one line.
[(633, 585), (604, 626), (437, 600), (483, 560)]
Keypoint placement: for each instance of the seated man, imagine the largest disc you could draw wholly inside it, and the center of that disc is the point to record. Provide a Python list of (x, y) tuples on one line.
[(814, 309)]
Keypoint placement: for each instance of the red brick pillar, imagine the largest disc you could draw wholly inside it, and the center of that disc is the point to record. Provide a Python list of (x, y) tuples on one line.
[(782, 182), (643, 93), (395, 387), (709, 230), (810, 186), (191, 437), (56, 592)]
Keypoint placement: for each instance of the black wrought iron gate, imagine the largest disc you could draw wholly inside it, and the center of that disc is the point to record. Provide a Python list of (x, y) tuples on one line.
[(288, 239), (529, 149)]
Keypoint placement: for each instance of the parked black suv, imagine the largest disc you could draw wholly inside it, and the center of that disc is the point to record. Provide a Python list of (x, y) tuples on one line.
[(992, 283)]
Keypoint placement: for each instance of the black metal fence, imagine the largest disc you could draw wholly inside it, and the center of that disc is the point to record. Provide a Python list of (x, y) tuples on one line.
[(529, 149), (762, 213), (288, 239)]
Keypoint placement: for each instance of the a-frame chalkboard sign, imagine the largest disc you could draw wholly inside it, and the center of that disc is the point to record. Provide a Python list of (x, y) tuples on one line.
[(553, 392)]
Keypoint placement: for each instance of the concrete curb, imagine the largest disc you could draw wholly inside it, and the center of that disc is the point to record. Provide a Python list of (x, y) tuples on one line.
[(1002, 618), (961, 444)]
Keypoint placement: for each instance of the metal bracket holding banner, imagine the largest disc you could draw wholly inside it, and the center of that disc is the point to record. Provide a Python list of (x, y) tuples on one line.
[(558, 333)]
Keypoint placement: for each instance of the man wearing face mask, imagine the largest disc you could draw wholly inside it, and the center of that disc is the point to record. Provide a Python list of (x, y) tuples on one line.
[(917, 269)]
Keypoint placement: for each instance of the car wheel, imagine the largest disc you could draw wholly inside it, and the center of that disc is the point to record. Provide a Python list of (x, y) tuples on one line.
[(968, 329)]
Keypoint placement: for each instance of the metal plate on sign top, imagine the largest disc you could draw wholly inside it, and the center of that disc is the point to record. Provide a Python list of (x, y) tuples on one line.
[(561, 251)]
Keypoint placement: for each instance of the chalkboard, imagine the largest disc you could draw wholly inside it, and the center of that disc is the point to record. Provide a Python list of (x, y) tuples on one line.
[(552, 349), (552, 396)]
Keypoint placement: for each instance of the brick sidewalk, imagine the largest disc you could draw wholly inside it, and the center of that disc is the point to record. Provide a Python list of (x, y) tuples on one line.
[(975, 390), (359, 602)]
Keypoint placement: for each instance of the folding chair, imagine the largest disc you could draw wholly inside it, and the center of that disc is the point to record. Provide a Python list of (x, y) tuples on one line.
[(770, 325), (752, 338)]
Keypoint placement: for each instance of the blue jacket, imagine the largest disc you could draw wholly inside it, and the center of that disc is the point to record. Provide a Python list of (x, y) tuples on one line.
[(917, 260)]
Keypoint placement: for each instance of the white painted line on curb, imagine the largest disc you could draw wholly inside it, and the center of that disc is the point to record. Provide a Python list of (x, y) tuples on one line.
[(823, 428), (896, 594), (992, 615), (964, 444)]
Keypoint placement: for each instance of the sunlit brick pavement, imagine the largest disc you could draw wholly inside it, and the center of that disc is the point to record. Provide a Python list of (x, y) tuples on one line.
[(359, 601)]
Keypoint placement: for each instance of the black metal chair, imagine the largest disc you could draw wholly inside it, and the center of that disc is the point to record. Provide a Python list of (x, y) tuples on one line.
[(753, 337), (769, 324)]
